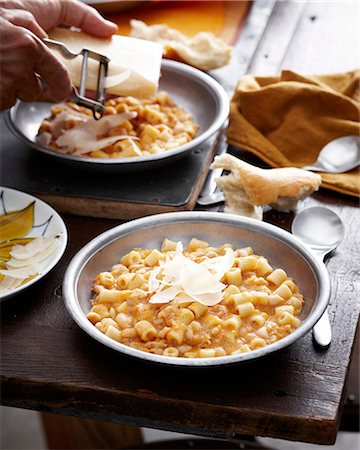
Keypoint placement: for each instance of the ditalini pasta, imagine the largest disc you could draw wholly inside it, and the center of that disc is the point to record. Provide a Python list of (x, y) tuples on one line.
[(197, 302), (130, 127)]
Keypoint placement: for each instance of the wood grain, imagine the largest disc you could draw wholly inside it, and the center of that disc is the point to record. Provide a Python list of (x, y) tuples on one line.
[(49, 364)]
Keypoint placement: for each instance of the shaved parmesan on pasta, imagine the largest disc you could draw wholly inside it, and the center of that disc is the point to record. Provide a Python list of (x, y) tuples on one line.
[(83, 137), (184, 280)]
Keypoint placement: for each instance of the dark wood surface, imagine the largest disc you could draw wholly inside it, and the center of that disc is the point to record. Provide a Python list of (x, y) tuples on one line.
[(49, 364)]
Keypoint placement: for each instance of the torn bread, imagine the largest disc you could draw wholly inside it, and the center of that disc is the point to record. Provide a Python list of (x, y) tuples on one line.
[(247, 187), (204, 50)]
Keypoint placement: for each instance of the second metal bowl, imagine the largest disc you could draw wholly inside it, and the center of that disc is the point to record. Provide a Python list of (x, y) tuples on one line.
[(280, 247)]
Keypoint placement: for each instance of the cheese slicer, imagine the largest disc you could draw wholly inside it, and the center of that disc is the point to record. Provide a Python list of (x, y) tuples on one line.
[(97, 104)]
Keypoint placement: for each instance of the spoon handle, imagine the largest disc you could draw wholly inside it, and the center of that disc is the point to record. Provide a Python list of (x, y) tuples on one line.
[(322, 330), (314, 168)]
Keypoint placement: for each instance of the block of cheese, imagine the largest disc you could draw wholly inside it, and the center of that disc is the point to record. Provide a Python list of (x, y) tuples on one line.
[(134, 67)]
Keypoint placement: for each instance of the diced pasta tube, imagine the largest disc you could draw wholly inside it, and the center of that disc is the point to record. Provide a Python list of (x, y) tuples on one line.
[(232, 324), (171, 351), (245, 309), (185, 315), (220, 351), (94, 317), (290, 283), (260, 298), (112, 296), (284, 291), (137, 281), (101, 309), (257, 343), (129, 333), (106, 323), (231, 289), (106, 279), (113, 333), (124, 320), (206, 353), (198, 309), (233, 276), (176, 334), (133, 257), (287, 318), (275, 299), (281, 309), (168, 245), (195, 244), (295, 302), (247, 263), (242, 349), (211, 321), (193, 333), (153, 258), (277, 277), (263, 267), (257, 320), (262, 332), (246, 251), (123, 281), (242, 297), (146, 330)]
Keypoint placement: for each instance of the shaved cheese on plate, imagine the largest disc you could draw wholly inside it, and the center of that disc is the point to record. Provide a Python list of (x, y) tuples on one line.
[(21, 273), (83, 137), (134, 67), (32, 248), (183, 280), (25, 261), (38, 257)]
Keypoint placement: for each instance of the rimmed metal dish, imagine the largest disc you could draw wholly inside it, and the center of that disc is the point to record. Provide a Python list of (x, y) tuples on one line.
[(195, 91), (280, 247)]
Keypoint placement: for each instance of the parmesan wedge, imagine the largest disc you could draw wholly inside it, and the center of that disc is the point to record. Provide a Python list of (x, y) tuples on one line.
[(134, 67)]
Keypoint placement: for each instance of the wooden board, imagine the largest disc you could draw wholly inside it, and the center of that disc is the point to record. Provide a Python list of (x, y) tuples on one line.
[(174, 187)]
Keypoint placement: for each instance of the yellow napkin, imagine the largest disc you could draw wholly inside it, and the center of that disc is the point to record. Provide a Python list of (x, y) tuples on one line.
[(286, 120)]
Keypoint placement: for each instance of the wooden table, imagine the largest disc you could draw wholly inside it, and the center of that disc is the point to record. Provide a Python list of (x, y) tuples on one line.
[(49, 364)]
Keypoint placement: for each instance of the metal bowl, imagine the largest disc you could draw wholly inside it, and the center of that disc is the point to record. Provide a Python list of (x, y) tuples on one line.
[(280, 247), (195, 91)]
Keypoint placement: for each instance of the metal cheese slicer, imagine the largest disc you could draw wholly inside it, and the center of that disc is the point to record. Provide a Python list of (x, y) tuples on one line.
[(97, 104)]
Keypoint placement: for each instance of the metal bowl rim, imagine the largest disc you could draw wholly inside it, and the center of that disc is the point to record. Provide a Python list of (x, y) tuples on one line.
[(217, 91), (102, 240)]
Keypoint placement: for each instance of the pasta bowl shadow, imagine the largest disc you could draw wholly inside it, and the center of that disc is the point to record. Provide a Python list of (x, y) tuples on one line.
[(281, 248), (192, 89)]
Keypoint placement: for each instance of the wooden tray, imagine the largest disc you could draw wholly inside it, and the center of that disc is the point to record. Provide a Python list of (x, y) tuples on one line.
[(174, 187)]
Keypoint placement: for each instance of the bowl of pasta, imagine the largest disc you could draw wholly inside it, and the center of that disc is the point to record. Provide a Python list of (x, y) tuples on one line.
[(196, 289), (134, 134)]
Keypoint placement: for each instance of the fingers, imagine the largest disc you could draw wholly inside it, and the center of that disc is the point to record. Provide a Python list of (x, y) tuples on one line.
[(24, 19), (24, 56), (31, 90), (86, 18), (53, 72)]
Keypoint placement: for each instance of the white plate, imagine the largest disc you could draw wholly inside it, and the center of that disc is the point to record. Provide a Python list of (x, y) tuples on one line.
[(46, 222)]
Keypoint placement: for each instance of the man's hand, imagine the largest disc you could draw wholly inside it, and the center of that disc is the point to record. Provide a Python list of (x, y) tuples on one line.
[(23, 56)]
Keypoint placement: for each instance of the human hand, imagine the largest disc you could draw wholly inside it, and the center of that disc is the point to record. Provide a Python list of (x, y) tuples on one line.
[(25, 60)]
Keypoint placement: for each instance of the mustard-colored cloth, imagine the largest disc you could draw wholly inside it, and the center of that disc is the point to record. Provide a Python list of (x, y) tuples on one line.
[(287, 120)]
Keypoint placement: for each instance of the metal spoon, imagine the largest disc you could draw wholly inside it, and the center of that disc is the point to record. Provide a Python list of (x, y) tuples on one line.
[(322, 230), (338, 156)]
